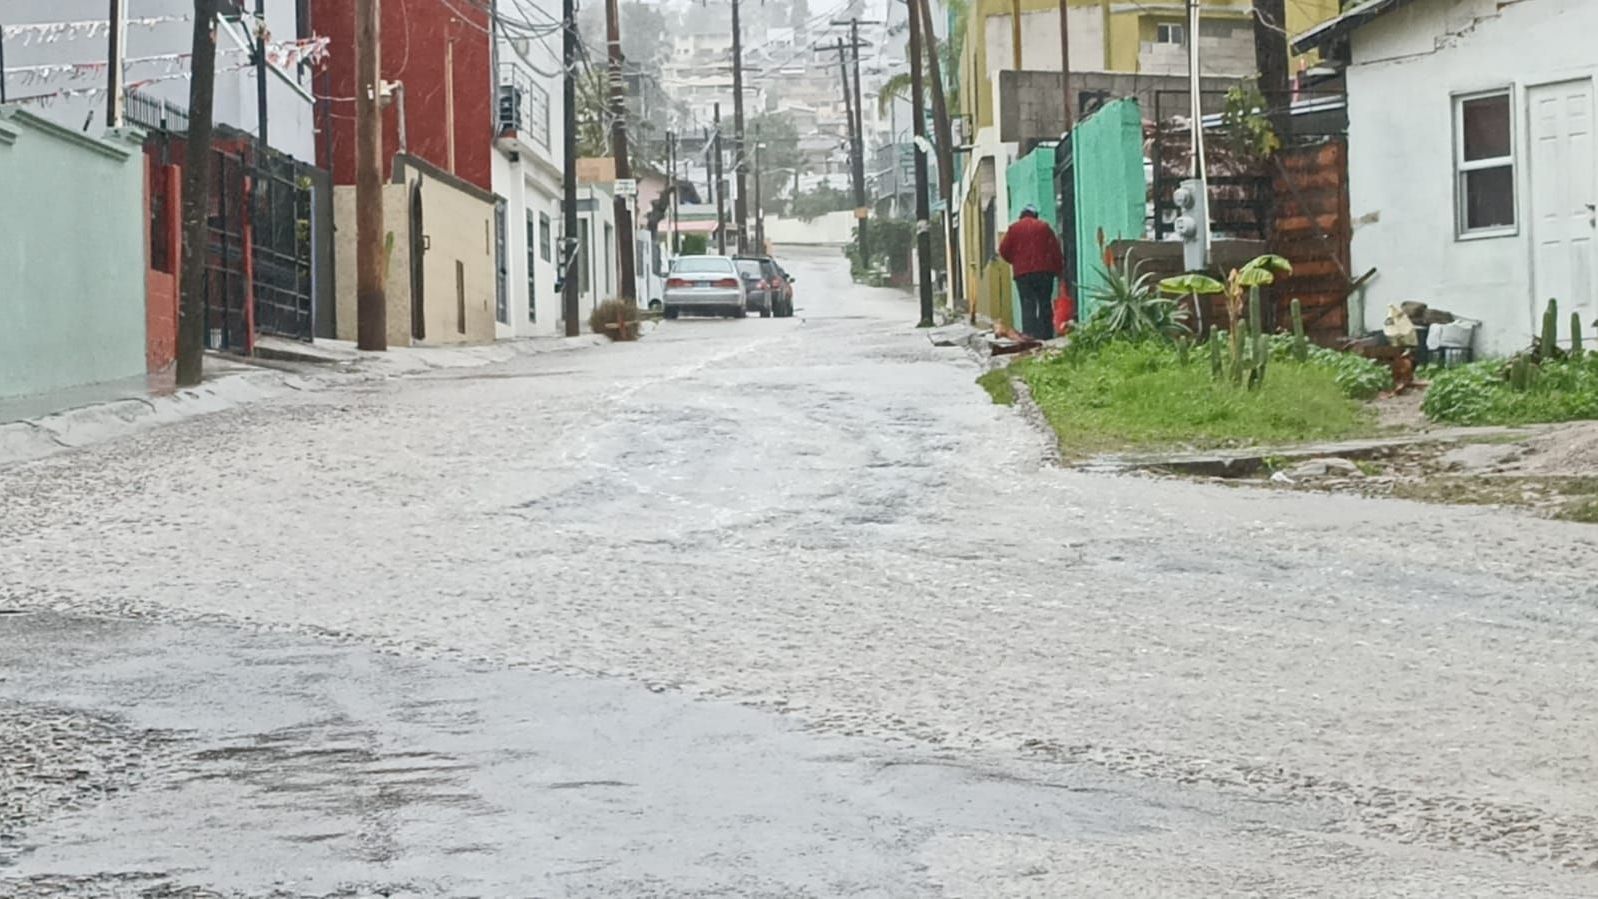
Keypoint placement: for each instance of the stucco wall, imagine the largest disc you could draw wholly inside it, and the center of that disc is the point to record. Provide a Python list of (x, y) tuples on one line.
[(832, 229), (458, 227), (1401, 183), (1107, 152), (72, 268)]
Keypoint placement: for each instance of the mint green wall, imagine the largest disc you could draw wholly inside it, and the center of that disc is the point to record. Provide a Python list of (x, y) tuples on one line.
[(1107, 154), (72, 264), (1030, 179)]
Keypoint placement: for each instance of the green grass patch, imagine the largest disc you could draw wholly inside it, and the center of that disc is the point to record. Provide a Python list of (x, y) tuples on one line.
[(999, 386), (1143, 395)]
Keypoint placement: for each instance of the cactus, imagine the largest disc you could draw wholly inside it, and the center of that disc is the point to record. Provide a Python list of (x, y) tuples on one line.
[(1215, 355), (1520, 372), (1262, 354), (1550, 341), (1300, 343), (1575, 333)]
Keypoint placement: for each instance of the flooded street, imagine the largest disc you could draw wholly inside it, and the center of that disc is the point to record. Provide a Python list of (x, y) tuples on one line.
[(765, 608)]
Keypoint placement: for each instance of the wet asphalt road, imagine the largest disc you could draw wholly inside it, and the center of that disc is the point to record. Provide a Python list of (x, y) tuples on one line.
[(765, 608)]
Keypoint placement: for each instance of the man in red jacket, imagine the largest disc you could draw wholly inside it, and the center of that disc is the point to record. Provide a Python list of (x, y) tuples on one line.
[(1034, 256)]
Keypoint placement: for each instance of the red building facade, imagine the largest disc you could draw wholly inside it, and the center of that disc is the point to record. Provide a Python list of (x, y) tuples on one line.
[(440, 50)]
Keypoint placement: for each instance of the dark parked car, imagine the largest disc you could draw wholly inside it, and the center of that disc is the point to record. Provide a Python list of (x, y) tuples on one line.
[(770, 288)]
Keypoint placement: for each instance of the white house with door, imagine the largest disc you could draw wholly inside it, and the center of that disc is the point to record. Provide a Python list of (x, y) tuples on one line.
[(1471, 162), (527, 171)]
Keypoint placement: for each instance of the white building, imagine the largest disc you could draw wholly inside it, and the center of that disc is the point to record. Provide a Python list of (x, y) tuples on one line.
[(42, 36), (1471, 162), (596, 268), (528, 174)]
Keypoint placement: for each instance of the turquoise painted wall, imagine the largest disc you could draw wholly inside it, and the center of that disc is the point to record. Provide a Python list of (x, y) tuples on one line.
[(1030, 179), (72, 263), (1107, 152)]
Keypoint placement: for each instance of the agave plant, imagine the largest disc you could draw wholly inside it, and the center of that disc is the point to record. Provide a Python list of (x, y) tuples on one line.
[(1130, 307)]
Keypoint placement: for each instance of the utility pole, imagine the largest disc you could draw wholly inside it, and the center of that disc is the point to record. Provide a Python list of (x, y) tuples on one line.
[(740, 185), (260, 73), (1015, 32), (371, 299), (1069, 107), (197, 195), (859, 107), (449, 103), (721, 185), (625, 236), (856, 166), (115, 106), (671, 185), (760, 225), (945, 145), (568, 283), (1270, 57), (923, 225), (862, 210)]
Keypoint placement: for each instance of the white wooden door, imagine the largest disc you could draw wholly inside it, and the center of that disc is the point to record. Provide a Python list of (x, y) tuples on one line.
[(1563, 221)]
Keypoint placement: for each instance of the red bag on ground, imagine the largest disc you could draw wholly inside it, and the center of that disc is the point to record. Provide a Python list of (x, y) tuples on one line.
[(1064, 309)]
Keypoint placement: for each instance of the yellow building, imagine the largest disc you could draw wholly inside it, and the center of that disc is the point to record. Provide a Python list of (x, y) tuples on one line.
[(1148, 36)]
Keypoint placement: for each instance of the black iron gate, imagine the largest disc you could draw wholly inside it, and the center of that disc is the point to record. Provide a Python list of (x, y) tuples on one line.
[(226, 325), (280, 265), (282, 245)]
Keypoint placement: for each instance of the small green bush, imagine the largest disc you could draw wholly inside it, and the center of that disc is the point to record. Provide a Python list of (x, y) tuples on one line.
[(1482, 393), (1359, 378)]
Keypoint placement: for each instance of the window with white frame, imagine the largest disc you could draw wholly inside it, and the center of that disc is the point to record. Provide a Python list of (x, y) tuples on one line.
[(1170, 33), (1484, 164)]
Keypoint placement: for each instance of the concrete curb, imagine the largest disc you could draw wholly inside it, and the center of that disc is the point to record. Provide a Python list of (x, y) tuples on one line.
[(243, 384)]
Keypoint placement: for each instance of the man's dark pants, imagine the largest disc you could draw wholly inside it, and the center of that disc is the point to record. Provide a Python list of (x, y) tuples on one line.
[(1037, 304)]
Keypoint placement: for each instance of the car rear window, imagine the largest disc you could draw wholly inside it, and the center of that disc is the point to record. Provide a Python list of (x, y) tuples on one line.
[(749, 267), (716, 264)]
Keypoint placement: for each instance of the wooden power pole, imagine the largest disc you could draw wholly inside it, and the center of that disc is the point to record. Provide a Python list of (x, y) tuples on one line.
[(625, 236), (568, 281), (856, 166), (116, 100), (1069, 107), (1270, 57), (923, 214), (197, 195), (371, 311), (739, 167)]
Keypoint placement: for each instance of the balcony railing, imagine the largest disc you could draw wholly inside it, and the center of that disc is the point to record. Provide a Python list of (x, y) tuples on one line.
[(523, 105)]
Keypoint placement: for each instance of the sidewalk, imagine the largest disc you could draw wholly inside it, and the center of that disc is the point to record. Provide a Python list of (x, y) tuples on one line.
[(37, 426)]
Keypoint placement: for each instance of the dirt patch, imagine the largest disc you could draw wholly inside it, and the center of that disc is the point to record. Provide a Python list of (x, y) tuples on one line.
[(1552, 472), (1401, 413)]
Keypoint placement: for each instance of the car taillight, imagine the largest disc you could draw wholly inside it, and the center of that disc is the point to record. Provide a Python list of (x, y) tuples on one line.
[(676, 282), (726, 282)]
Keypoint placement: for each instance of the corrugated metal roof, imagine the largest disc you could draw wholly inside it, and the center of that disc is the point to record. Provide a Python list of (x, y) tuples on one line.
[(1345, 24)]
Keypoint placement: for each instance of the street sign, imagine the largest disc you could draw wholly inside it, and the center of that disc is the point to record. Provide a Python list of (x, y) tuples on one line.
[(626, 187), (862, 212)]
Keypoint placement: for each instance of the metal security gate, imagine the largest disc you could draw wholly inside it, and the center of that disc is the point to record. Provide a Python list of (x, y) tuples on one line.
[(226, 316), (281, 240), (278, 269)]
